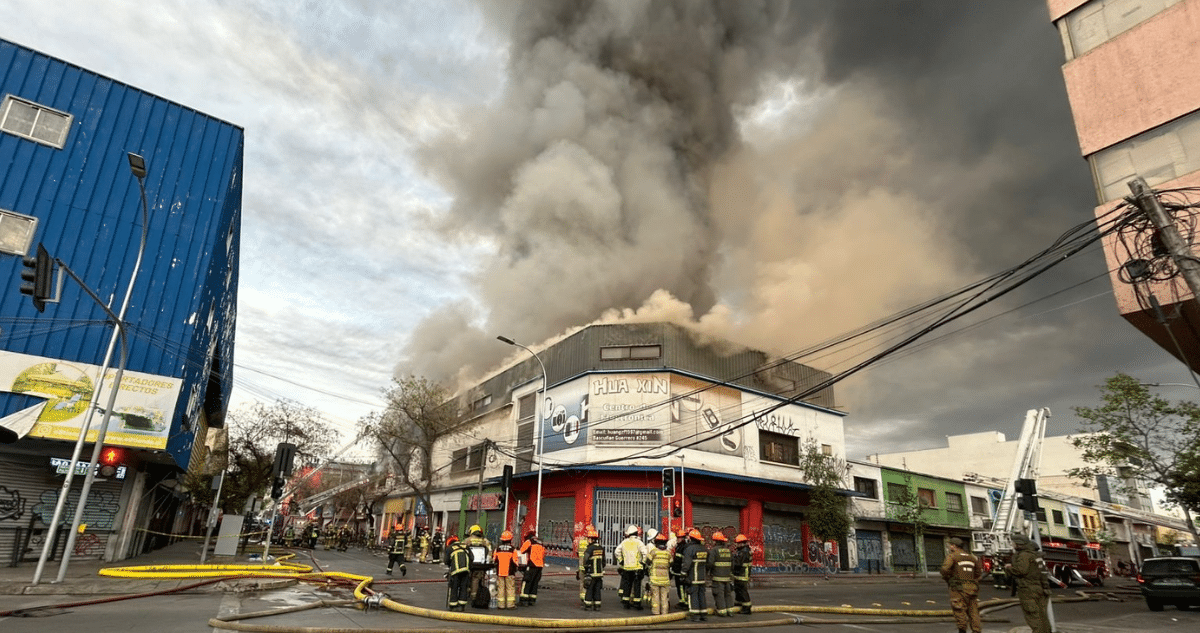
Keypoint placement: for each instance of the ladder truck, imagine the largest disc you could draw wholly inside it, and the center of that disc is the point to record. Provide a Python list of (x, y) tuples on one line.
[(1065, 563)]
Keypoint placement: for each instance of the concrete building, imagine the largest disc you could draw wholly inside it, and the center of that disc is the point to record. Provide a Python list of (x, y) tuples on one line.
[(66, 183), (1132, 75), (622, 403)]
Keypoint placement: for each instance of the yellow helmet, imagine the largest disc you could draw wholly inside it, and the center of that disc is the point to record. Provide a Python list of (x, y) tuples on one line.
[(474, 529)]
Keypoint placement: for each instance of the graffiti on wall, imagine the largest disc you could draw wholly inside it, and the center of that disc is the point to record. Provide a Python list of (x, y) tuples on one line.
[(100, 512), (12, 506)]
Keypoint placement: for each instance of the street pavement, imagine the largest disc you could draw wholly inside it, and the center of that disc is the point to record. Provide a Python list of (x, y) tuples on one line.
[(423, 587)]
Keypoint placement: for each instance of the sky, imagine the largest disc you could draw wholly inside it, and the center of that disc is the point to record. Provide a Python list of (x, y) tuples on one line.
[(422, 176)]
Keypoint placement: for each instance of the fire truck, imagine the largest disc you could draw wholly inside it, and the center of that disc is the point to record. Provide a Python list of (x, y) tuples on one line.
[(1071, 562)]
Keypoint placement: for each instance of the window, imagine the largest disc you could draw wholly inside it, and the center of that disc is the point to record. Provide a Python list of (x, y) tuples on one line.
[(16, 232), (1058, 517), (897, 492), (826, 449), (779, 448), (525, 406), (979, 505), (34, 122), (630, 352), (866, 487), (467, 458), (482, 402), (954, 502), (1158, 155), (1099, 21), (927, 497)]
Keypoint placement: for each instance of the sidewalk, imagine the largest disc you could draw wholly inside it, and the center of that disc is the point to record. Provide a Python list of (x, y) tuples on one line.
[(82, 577)]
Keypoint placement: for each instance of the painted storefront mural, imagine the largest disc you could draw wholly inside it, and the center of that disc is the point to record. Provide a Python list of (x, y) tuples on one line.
[(141, 416)]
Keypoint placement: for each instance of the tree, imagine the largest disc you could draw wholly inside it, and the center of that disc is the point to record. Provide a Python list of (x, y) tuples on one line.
[(254, 432), (828, 512), (1134, 435), (419, 412), (906, 506)]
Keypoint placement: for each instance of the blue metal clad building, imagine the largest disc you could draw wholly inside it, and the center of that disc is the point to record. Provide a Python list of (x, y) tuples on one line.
[(65, 182)]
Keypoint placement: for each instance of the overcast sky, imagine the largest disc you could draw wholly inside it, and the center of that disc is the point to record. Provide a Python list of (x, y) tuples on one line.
[(421, 176)]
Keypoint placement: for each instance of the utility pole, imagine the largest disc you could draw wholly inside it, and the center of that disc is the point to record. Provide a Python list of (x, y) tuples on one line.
[(1181, 252), (479, 490)]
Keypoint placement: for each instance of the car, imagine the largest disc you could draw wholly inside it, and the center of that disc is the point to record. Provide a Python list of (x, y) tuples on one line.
[(1170, 580)]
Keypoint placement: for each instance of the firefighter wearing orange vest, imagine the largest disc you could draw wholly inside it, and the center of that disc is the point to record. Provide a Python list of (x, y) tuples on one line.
[(534, 555), (506, 572)]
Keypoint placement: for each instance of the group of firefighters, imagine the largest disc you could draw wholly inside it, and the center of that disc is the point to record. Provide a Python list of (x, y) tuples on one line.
[(682, 559), (333, 537)]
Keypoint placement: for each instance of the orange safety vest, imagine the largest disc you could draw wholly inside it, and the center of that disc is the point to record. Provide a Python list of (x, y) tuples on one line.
[(536, 553), (506, 560)]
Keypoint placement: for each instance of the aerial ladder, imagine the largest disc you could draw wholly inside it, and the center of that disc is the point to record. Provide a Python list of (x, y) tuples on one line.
[(1009, 517)]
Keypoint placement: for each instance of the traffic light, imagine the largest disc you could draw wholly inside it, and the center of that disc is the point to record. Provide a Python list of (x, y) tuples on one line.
[(111, 458), (1028, 490), (37, 278), (668, 488), (506, 479), (285, 452), (277, 487)]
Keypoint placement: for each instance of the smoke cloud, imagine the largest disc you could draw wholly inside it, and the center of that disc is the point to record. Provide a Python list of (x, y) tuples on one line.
[(770, 172)]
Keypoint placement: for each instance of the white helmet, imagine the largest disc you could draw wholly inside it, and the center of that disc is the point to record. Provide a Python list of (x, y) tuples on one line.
[(631, 530), (650, 534)]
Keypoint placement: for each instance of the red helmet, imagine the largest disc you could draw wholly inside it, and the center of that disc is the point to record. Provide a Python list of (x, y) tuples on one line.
[(506, 535), (719, 536), (661, 536), (740, 538), (451, 540), (682, 533)]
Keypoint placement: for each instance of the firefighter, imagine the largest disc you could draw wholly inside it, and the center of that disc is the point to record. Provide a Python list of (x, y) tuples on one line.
[(396, 552), (581, 545), (458, 579), (720, 566), (742, 561), (505, 558), (659, 564), (593, 569), (630, 557), (480, 558), (436, 544), (695, 570), (677, 568), (534, 555), (423, 539)]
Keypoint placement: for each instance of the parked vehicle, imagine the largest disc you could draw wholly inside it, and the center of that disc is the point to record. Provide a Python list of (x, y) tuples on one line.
[(1071, 562), (1174, 580)]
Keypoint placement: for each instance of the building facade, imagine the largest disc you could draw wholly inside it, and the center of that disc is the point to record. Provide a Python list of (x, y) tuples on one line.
[(67, 184), (621, 403), (1132, 75)]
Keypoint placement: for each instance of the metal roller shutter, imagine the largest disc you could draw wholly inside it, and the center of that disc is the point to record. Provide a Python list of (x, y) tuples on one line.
[(783, 537), (709, 518), (556, 526)]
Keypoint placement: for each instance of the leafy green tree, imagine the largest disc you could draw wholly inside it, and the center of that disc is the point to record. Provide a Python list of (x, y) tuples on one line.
[(419, 412), (828, 514), (905, 506), (254, 432), (1135, 434)]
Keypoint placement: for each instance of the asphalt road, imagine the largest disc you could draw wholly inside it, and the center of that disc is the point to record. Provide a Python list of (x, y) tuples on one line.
[(1121, 610)]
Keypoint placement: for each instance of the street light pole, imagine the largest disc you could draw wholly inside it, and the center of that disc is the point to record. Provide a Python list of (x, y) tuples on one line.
[(138, 166), (537, 418)]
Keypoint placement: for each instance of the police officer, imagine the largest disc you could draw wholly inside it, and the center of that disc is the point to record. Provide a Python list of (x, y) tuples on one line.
[(458, 579), (396, 552), (593, 570), (962, 572), (630, 558), (659, 564), (534, 555), (695, 570), (742, 561), (479, 564), (1028, 569), (720, 568)]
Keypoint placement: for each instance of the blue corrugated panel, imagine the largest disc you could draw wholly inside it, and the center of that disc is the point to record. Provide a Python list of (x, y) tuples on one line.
[(89, 213)]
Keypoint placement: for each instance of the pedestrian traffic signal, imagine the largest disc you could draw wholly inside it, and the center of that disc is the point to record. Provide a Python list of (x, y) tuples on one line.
[(668, 488), (37, 274)]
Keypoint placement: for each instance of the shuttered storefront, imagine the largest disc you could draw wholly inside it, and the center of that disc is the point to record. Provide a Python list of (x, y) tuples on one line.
[(556, 526), (711, 517), (783, 537), (29, 489), (617, 509)]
